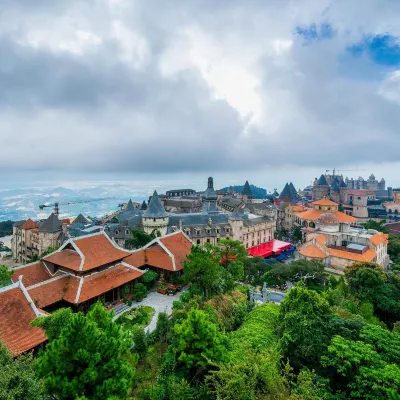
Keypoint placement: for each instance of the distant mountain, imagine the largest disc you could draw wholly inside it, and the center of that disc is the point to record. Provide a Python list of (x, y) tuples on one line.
[(258, 193), (20, 204)]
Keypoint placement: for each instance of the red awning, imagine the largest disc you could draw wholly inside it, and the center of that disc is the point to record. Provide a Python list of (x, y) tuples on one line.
[(274, 247)]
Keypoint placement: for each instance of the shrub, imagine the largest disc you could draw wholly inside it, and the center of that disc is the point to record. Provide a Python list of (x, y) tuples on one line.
[(139, 292)]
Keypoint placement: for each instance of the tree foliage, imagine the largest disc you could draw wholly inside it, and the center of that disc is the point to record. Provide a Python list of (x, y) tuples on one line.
[(140, 239), (88, 359), (5, 276), (379, 226), (199, 344), (17, 377)]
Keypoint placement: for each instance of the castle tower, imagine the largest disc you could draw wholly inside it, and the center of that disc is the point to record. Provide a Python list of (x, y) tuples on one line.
[(236, 223), (210, 198), (321, 189), (247, 193), (155, 219)]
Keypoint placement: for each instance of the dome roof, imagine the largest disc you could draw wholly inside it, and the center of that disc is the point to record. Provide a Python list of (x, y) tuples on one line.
[(328, 219)]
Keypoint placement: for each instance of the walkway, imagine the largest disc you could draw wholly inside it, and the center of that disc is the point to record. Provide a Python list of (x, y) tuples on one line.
[(160, 303)]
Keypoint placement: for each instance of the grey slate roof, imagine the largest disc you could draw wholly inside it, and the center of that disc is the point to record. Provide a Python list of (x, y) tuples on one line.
[(51, 225), (322, 181), (155, 208), (80, 219), (343, 184), (293, 189), (130, 206), (143, 206), (246, 191), (236, 215)]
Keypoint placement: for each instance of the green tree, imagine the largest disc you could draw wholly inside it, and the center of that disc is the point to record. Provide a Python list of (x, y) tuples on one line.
[(359, 370), (254, 268), (281, 233), (199, 344), (5, 276), (54, 323), (163, 327), (149, 277), (377, 225), (303, 319), (89, 359), (394, 248), (297, 234), (140, 239), (17, 378), (139, 291), (203, 270), (140, 341)]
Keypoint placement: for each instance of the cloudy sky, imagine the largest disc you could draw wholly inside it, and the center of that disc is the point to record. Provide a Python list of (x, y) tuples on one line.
[(176, 90)]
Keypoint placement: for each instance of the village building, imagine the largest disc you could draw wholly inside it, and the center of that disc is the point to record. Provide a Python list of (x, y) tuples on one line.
[(392, 208), (251, 223), (17, 311), (81, 272), (32, 238), (331, 237)]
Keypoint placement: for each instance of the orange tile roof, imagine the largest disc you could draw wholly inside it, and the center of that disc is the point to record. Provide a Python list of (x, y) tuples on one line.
[(99, 283), (29, 224), (325, 202), (66, 221), (15, 316), (136, 259), (179, 246), (50, 292), (368, 256), (297, 208), (31, 274), (313, 251), (66, 258), (312, 215), (98, 250), (321, 239), (359, 192), (156, 256), (379, 238)]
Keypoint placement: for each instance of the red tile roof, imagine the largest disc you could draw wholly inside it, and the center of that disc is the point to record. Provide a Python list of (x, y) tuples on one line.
[(29, 224), (51, 292), (98, 250), (31, 274), (15, 315), (179, 245), (157, 257), (136, 259), (359, 192), (99, 283), (66, 258)]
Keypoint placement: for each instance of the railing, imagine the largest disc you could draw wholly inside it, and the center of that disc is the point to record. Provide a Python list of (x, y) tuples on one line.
[(350, 250)]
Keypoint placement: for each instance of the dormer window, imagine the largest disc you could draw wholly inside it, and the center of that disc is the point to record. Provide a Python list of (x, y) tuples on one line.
[(127, 231), (198, 232), (117, 232), (208, 231), (218, 231)]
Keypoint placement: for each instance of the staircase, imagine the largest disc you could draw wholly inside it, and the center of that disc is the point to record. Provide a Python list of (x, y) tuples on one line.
[(120, 308)]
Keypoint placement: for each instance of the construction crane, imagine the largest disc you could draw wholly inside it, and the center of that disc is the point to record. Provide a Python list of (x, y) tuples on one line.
[(57, 205), (343, 170)]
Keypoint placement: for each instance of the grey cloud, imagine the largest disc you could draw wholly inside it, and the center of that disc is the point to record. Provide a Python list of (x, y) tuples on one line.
[(93, 112)]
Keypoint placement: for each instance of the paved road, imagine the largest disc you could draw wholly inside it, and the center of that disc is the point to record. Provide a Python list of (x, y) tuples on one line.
[(160, 303)]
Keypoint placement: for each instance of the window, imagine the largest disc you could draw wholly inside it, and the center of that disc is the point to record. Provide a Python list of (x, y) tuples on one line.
[(127, 232), (198, 232), (198, 241), (154, 219), (218, 239), (208, 240), (208, 231), (117, 232), (218, 230)]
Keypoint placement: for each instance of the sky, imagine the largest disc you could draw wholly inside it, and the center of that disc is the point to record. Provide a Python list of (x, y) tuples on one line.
[(176, 90)]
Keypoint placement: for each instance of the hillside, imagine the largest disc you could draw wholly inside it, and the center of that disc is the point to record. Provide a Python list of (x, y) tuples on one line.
[(259, 193)]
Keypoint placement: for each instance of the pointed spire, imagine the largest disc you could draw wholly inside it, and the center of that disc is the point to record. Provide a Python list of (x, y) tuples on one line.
[(143, 206), (51, 225), (322, 181), (130, 206), (80, 219), (155, 208), (246, 191)]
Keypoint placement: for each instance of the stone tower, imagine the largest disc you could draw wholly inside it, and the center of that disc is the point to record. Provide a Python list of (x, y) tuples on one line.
[(321, 189), (155, 219), (210, 198)]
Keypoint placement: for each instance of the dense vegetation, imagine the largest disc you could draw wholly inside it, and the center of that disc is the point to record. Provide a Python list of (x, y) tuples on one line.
[(329, 339), (258, 193), (6, 228)]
